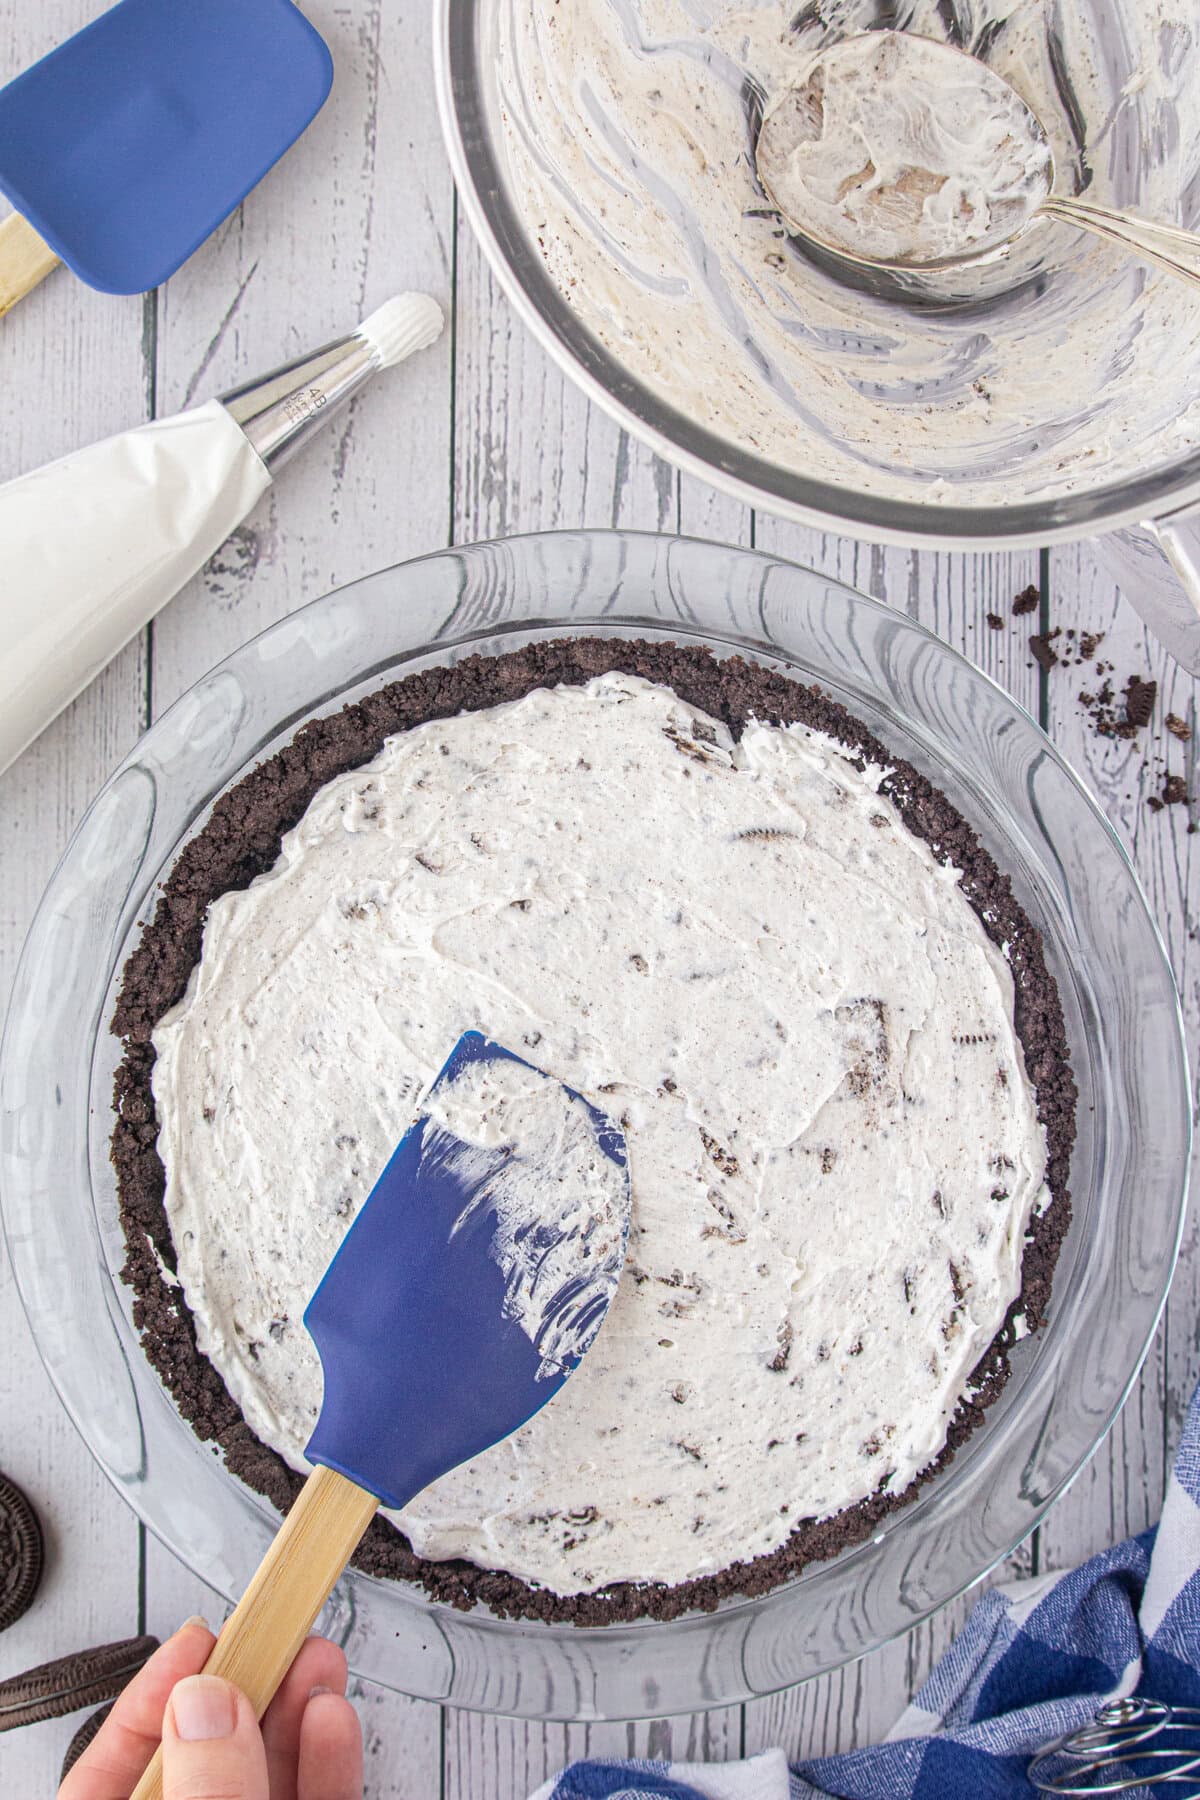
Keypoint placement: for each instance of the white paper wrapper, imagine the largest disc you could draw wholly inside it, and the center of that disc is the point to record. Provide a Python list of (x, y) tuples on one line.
[(93, 545)]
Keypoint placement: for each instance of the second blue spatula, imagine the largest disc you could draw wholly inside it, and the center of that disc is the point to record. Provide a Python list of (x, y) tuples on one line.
[(470, 1286)]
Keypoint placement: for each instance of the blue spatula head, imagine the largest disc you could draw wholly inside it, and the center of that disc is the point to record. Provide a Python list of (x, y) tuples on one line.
[(127, 146), (475, 1277)]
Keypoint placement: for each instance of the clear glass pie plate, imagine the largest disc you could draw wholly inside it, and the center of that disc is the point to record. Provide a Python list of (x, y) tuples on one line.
[(927, 703)]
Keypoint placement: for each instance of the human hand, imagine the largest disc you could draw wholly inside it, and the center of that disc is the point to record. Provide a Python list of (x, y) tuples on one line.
[(309, 1746)]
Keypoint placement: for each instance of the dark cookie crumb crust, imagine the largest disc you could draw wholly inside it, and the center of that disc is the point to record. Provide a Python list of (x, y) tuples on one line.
[(242, 839)]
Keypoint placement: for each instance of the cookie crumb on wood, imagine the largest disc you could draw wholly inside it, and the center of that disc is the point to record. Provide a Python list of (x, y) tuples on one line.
[(1140, 696), (1043, 651)]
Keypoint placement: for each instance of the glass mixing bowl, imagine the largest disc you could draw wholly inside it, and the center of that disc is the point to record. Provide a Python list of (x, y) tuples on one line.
[(1044, 395), (927, 703)]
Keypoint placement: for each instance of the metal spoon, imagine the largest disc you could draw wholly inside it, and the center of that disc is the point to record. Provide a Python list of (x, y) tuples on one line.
[(898, 152)]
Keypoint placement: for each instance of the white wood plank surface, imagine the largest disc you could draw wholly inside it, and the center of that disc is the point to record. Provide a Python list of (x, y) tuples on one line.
[(70, 366), (508, 1759), (480, 437), (530, 453), (1121, 1490)]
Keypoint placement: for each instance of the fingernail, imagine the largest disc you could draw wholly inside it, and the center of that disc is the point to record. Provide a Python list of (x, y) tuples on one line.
[(203, 1707), (313, 1692), (196, 1619)]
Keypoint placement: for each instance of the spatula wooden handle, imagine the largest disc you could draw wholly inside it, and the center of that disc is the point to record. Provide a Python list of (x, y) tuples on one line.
[(25, 259), (262, 1636)]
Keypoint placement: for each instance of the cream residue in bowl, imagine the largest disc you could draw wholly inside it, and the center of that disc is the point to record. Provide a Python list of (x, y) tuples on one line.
[(629, 128), (898, 149)]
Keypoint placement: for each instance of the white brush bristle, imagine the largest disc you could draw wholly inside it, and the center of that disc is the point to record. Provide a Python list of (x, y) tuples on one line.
[(405, 323)]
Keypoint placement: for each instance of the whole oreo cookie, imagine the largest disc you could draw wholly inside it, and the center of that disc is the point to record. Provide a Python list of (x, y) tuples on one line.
[(21, 1553), (82, 1739), (86, 1678)]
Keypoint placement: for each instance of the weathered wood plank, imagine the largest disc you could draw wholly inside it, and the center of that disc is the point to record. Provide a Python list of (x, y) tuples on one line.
[(706, 513), (359, 209), (951, 593), (1121, 1490), (530, 453), (71, 371), (506, 1759)]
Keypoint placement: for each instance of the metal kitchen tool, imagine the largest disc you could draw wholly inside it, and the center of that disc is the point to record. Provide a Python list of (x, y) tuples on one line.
[(1130, 1745), (469, 1287), (125, 148), (797, 118)]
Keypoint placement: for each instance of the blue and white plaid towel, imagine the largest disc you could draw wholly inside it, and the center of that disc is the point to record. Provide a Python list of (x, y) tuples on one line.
[(1034, 1661)]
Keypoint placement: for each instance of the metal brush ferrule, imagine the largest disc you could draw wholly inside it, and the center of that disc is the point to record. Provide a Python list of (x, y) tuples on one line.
[(281, 411)]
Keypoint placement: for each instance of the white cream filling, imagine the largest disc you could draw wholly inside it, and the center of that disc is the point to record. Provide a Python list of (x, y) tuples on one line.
[(897, 148), (529, 1151), (740, 952)]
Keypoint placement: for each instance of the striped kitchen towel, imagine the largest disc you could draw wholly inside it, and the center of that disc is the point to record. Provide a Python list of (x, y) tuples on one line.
[(1034, 1661)]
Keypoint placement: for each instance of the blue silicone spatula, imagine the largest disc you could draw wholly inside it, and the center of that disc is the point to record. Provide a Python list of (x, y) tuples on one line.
[(470, 1286), (123, 149)]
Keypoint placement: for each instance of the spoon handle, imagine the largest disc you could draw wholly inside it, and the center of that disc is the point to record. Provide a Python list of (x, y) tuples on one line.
[(1169, 246), (262, 1636)]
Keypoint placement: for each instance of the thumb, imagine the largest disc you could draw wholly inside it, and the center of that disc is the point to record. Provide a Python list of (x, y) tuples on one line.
[(212, 1747)]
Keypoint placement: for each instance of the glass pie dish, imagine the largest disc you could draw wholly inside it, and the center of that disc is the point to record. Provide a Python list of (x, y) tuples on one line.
[(927, 704)]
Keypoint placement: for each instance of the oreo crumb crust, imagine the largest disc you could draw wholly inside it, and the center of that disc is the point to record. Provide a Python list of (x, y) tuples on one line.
[(85, 1678), (241, 840), (22, 1553)]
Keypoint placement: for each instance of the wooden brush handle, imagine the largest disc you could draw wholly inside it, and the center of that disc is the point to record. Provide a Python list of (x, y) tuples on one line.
[(262, 1636), (24, 260)]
